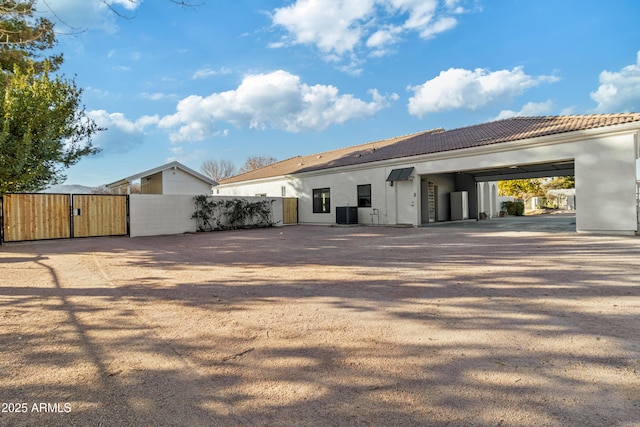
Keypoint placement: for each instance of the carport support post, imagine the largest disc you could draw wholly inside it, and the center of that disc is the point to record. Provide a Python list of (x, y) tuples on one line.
[(606, 186)]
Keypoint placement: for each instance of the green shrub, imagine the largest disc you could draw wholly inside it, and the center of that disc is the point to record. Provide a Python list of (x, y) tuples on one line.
[(514, 208), (231, 214)]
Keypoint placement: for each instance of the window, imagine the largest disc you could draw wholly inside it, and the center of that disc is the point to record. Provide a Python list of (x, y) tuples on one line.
[(364, 196), (321, 200)]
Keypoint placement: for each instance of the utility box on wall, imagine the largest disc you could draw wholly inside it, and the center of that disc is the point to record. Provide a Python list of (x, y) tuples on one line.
[(459, 205), (347, 215)]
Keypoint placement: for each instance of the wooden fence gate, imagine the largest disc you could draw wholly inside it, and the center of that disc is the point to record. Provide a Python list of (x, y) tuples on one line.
[(290, 210), (62, 216), (99, 215)]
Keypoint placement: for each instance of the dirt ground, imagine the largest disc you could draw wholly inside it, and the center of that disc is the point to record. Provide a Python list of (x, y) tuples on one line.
[(310, 325)]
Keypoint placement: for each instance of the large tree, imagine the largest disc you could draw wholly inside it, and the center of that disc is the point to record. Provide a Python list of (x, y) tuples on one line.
[(43, 130), (43, 126), (24, 39)]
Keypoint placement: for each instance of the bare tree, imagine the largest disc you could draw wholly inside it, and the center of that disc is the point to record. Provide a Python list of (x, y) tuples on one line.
[(102, 189), (218, 169), (187, 3), (257, 162)]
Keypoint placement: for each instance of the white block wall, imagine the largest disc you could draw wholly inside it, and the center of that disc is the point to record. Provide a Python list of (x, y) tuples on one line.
[(162, 214), (175, 181)]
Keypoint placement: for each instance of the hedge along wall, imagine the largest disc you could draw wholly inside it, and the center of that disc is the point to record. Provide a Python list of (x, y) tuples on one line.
[(160, 214)]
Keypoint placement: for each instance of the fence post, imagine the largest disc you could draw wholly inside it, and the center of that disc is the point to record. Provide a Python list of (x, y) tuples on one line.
[(71, 231), (1, 220)]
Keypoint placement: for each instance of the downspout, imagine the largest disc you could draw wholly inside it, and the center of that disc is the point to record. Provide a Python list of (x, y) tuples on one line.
[(477, 199)]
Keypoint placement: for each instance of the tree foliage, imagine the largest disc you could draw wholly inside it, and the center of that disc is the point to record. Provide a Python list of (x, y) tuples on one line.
[(521, 188), (43, 130), (513, 208), (43, 126), (560, 183), (218, 169), (24, 38)]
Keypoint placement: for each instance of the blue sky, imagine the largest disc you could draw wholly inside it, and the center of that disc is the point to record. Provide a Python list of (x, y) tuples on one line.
[(227, 80)]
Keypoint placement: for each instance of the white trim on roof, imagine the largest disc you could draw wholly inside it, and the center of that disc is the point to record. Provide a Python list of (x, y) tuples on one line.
[(172, 165)]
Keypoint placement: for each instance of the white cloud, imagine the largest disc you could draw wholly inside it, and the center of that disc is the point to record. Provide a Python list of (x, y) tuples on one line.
[(340, 27), (100, 93), (187, 157), (209, 72), (69, 15), (382, 41), (460, 88), (121, 134), (421, 12), (619, 91), (334, 26), (529, 109), (443, 24), (277, 100), (157, 96)]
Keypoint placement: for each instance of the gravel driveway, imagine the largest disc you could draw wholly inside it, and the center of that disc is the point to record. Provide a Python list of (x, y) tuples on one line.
[(305, 325)]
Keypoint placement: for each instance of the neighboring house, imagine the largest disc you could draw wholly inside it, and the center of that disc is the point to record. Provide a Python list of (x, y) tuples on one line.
[(172, 178), (424, 177)]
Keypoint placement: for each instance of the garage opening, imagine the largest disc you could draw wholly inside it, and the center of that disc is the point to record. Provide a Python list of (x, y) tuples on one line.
[(546, 189)]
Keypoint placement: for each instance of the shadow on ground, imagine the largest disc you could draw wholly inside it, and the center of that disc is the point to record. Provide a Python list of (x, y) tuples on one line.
[(324, 326)]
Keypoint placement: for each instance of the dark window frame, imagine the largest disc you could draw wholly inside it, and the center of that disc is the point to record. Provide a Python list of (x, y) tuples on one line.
[(322, 200), (364, 196)]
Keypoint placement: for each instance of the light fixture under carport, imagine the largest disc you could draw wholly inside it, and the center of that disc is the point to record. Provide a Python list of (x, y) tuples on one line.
[(524, 171)]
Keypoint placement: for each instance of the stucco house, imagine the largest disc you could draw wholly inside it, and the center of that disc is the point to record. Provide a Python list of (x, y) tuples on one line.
[(430, 176), (172, 178)]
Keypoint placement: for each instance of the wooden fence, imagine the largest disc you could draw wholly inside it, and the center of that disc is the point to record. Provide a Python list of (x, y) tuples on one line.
[(290, 210), (62, 216), (99, 215), (36, 216)]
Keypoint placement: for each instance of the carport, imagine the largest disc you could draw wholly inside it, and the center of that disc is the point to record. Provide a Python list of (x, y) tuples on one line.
[(487, 194), (602, 159)]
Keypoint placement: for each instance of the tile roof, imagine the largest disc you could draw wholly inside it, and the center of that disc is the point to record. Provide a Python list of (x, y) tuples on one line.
[(438, 140)]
